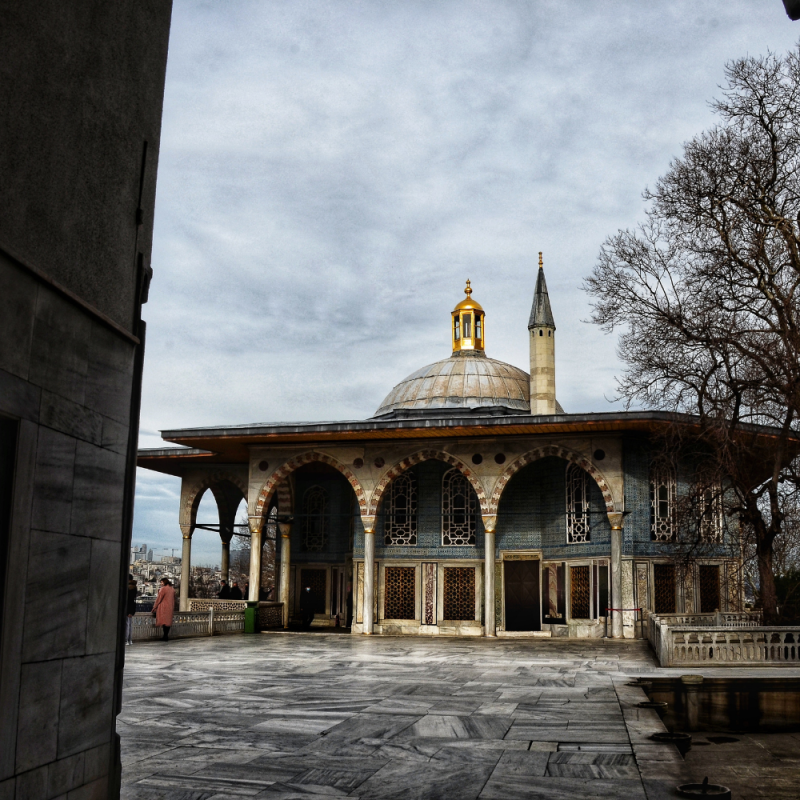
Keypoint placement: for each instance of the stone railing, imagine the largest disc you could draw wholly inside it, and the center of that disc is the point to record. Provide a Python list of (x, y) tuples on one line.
[(680, 645), (188, 623), (719, 619), (210, 618), (205, 604)]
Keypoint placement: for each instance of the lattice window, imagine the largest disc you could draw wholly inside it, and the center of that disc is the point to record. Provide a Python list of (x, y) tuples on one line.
[(664, 588), (709, 514), (459, 593), (459, 510), (578, 528), (662, 505), (709, 588), (315, 519), (399, 595), (400, 527), (579, 592)]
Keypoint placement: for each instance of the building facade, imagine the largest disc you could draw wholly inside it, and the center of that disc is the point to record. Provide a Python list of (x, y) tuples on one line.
[(469, 504)]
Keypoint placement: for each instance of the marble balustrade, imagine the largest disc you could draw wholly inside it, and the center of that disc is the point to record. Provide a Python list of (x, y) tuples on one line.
[(730, 644)]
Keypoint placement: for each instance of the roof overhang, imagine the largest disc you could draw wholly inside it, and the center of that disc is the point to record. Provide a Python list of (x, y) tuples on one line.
[(231, 445)]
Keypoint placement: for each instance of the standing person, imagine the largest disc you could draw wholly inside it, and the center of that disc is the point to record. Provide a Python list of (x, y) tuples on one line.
[(246, 592), (130, 609), (224, 590), (164, 607), (236, 592)]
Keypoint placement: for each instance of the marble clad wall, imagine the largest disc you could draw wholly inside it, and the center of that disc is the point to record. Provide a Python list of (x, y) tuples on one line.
[(73, 398), (81, 89)]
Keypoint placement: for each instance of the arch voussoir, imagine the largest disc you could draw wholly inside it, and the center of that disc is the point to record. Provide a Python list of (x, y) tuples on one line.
[(543, 452), (425, 455), (278, 479), (191, 497)]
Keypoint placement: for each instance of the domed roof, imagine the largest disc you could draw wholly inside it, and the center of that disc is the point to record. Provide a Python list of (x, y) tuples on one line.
[(467, 380)]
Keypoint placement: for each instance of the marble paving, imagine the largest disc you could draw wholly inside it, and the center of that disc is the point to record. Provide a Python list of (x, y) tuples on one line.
[(323, 715)]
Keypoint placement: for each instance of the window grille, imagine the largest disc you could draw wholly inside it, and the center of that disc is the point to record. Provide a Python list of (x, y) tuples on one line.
[(315, 519), (400, 527), (709, 515), (459, 509), (400, 595), (578, 529), (459, 593), (579, 592), (662, 505), (664, 588)]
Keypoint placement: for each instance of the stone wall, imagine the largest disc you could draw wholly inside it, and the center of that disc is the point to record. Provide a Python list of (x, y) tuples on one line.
[(81, 86)]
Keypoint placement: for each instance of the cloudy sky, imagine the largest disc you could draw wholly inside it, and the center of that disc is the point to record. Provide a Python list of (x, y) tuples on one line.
[(332, 172)]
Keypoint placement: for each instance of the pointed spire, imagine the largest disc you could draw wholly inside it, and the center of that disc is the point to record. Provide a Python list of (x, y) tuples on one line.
[(541, 315)]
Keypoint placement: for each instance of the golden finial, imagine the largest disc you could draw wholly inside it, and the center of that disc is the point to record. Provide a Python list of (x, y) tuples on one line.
[(468, 290), (541, 265)]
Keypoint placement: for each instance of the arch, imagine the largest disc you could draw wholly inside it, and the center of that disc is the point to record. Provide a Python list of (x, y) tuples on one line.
[(544, 452), (416, 458), (274, 481), (228, 489)]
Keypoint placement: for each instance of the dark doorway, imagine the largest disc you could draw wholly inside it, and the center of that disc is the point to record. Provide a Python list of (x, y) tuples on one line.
[(522, 595), (316, 580), (709, 588)]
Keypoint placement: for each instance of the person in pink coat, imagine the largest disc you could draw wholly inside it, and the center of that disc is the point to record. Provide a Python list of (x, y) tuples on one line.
[(164, 607)]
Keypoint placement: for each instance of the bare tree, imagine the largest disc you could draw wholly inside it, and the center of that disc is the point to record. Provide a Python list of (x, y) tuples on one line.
[(706, 295)]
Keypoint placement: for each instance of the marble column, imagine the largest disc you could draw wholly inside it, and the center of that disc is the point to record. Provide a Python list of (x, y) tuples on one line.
[(256, 529), (615, 519), (489, 523), (369, 574), (286, 552), (225, 560), (186, 567)]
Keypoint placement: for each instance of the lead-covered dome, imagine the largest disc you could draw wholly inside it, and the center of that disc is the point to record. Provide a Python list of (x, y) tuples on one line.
[(468, 379)]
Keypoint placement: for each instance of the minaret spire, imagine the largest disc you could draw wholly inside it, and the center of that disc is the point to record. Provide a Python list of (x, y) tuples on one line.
[(542, 330)]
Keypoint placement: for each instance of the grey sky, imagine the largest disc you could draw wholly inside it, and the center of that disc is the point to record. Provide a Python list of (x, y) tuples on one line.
[(331, 173)]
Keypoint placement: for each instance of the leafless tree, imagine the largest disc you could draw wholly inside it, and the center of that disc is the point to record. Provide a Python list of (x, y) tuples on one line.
[(706, 295)]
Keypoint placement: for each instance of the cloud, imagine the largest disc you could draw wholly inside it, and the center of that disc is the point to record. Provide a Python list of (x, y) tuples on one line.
[(331, 173)]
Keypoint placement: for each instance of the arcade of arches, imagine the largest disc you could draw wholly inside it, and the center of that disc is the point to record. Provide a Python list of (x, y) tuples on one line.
[(469, 504)]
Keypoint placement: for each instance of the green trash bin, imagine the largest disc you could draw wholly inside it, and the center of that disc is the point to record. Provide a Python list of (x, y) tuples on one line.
[(251, 617)]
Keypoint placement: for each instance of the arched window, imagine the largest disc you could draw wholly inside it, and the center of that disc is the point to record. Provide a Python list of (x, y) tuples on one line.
[(709, 513), (459, 509), (578, 529), (662, 504), (315, 519), (400, 526)]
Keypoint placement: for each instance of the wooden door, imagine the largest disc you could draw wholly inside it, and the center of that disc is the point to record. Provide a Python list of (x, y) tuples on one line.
[(522, 595)]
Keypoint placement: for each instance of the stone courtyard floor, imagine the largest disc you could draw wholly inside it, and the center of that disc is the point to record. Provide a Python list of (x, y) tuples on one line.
[(322, 715)]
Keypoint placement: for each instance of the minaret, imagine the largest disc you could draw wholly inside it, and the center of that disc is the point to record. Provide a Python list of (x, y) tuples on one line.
[(542, 331)]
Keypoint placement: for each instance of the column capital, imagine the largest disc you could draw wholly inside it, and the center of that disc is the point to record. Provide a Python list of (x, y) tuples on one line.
[(368, 523), (615, 518), (285, 529), (186, 531), (489, 522), (255, 524)]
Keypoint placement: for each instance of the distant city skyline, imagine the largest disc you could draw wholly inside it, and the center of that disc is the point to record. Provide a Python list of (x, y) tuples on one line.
[(331, 174)]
